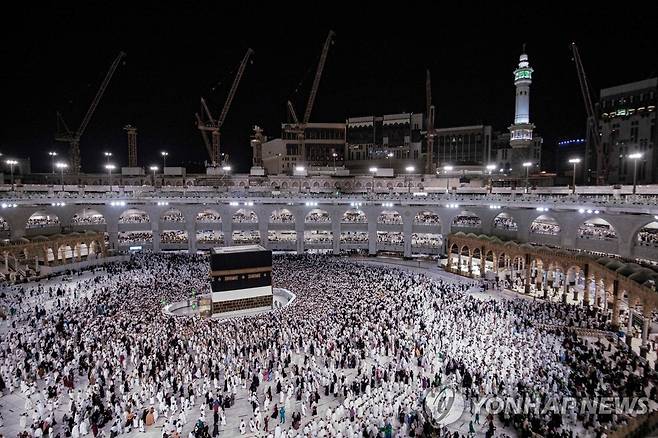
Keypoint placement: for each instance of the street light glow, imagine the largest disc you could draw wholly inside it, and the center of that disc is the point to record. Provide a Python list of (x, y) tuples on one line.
[(11, 162), (226, 168), (299, 168), (574, 160), (153, 168), (164, 153), (373, 169), (410, 168), (448, 168), (110, 166), (527, 164), (636, 156), (61, 165), (491, 167)]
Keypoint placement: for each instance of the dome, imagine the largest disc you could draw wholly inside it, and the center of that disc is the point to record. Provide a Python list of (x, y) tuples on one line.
[(472, 235), (526, 246), (39, 239), (459, 234), (20, 240), (613, 265), (603, 261), (511, 243), (641, 276), (484, 237), (56, 236), (90, 233), (628, 269)]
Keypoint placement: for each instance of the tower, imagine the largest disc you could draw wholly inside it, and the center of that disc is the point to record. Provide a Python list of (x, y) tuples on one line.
[(521, 129), (132, 145)]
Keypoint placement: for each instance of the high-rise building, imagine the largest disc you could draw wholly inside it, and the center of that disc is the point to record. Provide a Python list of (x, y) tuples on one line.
[(627, 122)]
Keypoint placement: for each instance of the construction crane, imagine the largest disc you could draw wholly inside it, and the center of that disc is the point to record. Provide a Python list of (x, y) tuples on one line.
[(214, 126), (592, 122), (430, 133), (64, 134), (298, 127)]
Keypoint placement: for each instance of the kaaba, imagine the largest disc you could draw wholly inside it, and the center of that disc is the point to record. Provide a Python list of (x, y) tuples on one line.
[(241, 279)]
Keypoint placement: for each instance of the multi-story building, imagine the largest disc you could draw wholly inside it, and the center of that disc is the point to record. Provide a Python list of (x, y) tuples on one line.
[(510, 160), (321, 141), (463, 146), (627, 123), (392, 140)]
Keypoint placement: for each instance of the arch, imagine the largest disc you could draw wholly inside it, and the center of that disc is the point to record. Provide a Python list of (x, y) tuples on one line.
[(391, 217), (282, 216), (596, 228), (88, 216), (134, 216), (354, 216), (244, 215), (208, 215), (505, 221), (427, 217), (317, 215), (546, 225), (41, 219), (426, 240), (647, 235), (466, 219), (284, 185), (326, 185), (172, 215)]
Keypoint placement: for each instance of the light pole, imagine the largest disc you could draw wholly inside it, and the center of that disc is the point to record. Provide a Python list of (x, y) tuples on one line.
[(491, 168), (108, 155), (164, 159), (527, 165), (574, 161), (635, 156), (409, 169), (447, 169), (52, 160), (12, 163), (61, 166), (153, 169), (334, 155), (110, 168)]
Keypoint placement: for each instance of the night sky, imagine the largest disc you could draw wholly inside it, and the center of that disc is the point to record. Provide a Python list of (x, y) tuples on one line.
[(55, 56)]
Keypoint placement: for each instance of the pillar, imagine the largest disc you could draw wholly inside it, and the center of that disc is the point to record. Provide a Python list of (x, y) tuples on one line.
[(227, 228), (646, 324), (190, 229), (407, 231), (615, 304), (470, 264), (6, 262), (372, 233), (588, 284), (262, 230), (299, 231), (155, 230), (335, 235), (527, 273)]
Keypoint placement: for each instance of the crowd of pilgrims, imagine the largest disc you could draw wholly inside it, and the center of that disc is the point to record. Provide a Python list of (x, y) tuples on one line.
[(173, 216), (173, 236), (545, 227), (246, 237), (648, 237), (4, 225), (134, 217), (354, 355), (389, 217), (282, 216), (596, 231), (464, 221), (42, 221), (209, 236), (505, 223), (318, 216), (208, 216), (427, 218), (88, 219), (245, 217), (127, 237)]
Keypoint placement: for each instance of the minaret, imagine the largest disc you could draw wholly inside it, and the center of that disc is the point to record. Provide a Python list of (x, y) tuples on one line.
[(521, 130)]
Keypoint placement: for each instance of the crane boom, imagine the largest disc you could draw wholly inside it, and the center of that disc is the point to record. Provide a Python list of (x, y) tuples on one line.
[(592, 124), (99, 94), (73, 138), (206, 142), (293, 114), (234, 88), (318, 75)]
